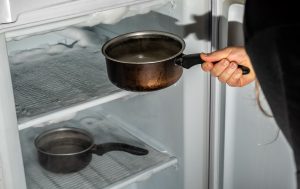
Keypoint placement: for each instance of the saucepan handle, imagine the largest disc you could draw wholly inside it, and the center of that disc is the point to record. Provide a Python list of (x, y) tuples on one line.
[(189, 60), (101, 149)]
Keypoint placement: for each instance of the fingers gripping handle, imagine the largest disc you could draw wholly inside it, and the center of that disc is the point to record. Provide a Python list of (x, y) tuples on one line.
[(190, 60)]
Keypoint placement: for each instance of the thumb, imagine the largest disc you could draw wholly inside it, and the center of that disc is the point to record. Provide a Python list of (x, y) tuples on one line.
[(216, 55)]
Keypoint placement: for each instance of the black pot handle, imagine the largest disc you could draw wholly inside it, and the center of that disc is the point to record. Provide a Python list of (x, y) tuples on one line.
[(189, 60), (101, 149)]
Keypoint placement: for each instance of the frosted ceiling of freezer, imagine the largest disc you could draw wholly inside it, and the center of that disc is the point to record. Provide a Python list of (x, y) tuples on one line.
[(20, 11), (15, 7)]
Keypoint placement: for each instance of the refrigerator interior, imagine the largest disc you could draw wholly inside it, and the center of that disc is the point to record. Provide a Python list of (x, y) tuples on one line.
[(59, 80), (256, 154)]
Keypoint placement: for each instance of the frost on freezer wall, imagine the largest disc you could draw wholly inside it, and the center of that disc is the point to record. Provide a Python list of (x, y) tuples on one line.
[(17, 57), (85, 38), (111, 16), (115, 15)]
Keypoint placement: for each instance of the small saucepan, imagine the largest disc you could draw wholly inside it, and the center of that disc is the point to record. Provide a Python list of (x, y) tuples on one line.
[(67, 150), (148, 60)]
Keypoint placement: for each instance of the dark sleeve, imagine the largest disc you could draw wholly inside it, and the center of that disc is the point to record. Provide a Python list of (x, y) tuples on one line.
[(272, 39), (260, 15)]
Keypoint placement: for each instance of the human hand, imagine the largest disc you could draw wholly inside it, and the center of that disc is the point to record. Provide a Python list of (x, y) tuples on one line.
[(223, 64)]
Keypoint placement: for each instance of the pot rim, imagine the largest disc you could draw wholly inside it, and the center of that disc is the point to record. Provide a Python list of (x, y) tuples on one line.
[(39, 137), (143, 33)]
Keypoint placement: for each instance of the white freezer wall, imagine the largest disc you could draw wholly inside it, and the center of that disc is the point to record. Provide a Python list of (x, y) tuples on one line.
[(255, 156)]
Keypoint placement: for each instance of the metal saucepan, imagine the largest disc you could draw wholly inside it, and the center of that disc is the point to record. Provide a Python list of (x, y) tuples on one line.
[(67, 150), (148, 60)]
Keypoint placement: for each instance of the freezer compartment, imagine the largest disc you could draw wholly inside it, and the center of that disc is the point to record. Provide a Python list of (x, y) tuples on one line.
[(112, 170), (62, 70)]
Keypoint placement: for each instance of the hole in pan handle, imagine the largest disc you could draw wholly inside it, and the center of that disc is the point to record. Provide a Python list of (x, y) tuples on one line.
[(187, 61), (101, 149)]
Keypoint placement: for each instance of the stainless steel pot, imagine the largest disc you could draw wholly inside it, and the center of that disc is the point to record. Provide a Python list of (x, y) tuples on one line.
[(148, 60), (67, 150)]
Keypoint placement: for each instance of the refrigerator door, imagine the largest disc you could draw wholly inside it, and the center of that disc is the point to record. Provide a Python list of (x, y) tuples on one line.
[(11, 168), (248, 151)]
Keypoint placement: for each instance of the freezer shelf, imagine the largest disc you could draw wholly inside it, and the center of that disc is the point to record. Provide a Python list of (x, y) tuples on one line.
[(112, 170), (45, 83)]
